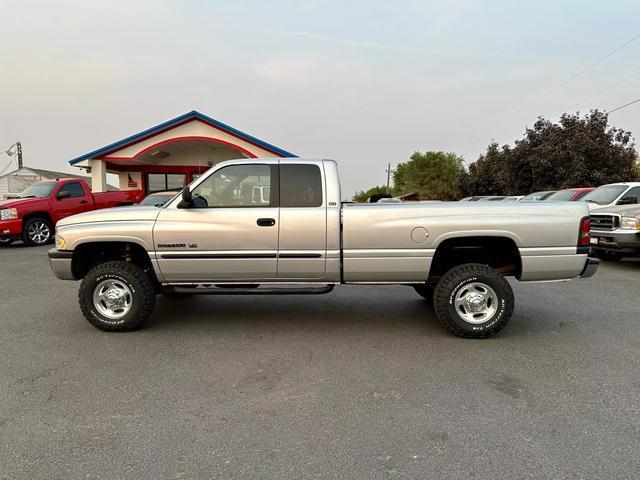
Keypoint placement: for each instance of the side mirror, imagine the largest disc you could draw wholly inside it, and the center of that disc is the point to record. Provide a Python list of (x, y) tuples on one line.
[(187, 201), (63, 194)]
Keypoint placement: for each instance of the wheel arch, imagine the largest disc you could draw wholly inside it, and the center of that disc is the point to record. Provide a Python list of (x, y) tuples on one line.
[(88, 254), (500, 252), (38, 214)]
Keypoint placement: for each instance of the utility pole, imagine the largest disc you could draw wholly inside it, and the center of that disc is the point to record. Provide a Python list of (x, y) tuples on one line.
[(388, 174), (19, 150)]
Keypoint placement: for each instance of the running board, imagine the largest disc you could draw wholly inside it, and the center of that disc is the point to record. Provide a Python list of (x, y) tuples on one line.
[(254, 291)]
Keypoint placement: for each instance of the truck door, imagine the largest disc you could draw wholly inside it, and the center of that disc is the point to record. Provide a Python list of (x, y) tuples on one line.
[(71, 199), (230, 234), (303, 221)]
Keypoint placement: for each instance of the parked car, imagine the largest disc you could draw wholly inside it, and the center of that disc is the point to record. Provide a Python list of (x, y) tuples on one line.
[(32, 215), (615, 232), (537, 196), (216, 233), (158, 199), (503, 198), (568, 194), (626, 193)]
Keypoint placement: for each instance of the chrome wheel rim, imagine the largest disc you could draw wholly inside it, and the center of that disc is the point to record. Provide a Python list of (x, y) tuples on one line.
[(476, 302), (113, 299), (39, 232)]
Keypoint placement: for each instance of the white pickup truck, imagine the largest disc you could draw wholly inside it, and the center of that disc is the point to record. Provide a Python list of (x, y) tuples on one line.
[(296, 237)]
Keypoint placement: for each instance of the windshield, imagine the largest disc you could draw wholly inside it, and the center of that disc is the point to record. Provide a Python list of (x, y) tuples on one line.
[(536, 196), (157, 200), (604, 195), (561, 196), (39, 190)]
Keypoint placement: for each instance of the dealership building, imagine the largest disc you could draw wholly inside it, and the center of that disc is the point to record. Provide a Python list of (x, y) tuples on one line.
[(172, 154)]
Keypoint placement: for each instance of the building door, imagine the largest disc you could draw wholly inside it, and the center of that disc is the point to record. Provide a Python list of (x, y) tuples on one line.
[(231, 232), (303, 222)]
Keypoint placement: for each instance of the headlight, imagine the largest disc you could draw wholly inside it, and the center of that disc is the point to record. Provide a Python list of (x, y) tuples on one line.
[(60, 243), (630, 223), (8, 214)]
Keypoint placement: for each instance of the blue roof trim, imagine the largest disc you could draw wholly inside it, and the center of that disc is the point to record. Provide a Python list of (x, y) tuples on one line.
[(175, 121)]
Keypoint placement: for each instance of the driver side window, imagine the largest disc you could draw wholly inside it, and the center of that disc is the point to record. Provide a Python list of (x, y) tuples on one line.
[(631, 197), (235, 186)]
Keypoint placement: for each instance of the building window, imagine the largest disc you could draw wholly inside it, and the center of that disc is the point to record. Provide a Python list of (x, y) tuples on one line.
[(160, 182)]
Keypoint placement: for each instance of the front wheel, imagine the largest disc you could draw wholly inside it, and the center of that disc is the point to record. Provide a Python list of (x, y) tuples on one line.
[(117, 296), (37, 231), (473, 301)]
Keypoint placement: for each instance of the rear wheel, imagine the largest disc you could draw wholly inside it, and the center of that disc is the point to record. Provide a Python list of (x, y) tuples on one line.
[(37, 231), (117, 296), (473, 301)]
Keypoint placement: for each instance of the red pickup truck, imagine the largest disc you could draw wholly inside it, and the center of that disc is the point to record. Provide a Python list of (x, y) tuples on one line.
[(32, 215)]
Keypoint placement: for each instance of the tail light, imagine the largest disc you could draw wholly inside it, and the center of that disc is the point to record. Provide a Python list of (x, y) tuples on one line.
[(585, 228)]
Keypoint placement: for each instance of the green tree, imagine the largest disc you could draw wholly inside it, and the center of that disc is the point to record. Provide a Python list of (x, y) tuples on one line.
[(434, 175), (575, 152), (363, 196)]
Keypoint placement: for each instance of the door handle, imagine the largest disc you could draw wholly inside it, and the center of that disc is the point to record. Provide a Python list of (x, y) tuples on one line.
[(266, 222), (83, 202)]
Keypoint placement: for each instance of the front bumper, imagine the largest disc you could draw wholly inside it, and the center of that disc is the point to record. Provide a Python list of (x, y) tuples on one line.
[(590, 267), (60, 262), (620, 240), (11, 228)]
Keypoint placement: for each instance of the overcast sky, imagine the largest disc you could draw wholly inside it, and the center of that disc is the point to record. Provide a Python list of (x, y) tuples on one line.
[(364, 82)]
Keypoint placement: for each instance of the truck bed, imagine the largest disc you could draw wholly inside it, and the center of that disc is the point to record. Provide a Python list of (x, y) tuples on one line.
[(396, 242)]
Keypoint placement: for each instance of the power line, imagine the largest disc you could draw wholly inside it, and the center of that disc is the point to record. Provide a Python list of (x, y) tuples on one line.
[(558, 87), (624, 106), (584, 100), (605, 111), (7, 167)]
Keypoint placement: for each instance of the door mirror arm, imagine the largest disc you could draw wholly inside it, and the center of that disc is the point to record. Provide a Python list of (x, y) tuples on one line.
[(187, 201)]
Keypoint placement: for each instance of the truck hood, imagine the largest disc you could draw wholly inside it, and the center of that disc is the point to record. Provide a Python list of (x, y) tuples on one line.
[(20, 202), (626, 210), (116, 214)]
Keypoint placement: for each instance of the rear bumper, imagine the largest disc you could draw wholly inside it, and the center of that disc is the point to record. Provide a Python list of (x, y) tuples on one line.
[(11, 228), (60, 262), (590, 267)]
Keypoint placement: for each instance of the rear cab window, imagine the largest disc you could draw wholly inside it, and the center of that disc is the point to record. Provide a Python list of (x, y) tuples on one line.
[(300, 185)]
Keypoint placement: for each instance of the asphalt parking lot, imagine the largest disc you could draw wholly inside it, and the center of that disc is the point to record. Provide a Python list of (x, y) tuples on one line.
[(360, 383)]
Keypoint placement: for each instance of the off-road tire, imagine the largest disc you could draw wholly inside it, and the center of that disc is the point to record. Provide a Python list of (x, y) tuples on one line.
[(453, 281), (426, 291), (25, 231), (140, 284)]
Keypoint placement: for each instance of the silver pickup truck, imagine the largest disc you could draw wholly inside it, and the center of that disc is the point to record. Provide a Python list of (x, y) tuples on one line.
[(274, 226)]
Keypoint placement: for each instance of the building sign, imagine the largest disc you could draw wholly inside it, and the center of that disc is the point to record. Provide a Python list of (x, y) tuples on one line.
[(130, 181)]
